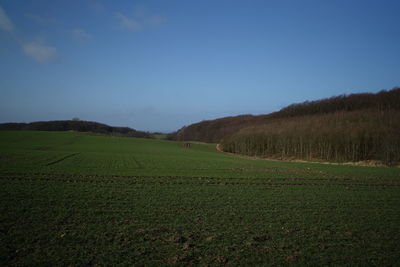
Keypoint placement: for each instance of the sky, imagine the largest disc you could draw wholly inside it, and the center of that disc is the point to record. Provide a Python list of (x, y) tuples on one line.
[(158, 65)]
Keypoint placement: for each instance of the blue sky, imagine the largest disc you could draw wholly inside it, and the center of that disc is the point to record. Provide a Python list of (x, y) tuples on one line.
[(160, 65)]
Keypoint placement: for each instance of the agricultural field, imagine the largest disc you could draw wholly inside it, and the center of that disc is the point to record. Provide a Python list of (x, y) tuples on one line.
[(71, 198)]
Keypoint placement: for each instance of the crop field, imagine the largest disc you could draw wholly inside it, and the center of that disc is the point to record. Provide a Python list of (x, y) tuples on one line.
[(76, 199)]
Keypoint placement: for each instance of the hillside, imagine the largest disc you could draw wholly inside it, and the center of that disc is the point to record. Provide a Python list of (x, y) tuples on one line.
[(355, 127), (74, 125), (213, 131)]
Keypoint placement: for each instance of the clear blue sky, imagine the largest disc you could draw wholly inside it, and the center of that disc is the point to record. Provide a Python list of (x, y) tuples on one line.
[(160, 65)]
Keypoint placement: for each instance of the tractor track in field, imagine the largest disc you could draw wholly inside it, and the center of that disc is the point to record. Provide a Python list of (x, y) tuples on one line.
[(61, 159), (137, 162), (195, 181)]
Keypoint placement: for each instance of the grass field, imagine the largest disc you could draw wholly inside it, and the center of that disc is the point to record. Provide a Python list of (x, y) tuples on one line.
[(72, 198)]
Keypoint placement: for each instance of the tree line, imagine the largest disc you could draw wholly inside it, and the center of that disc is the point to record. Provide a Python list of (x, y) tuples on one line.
[(212, 131), (352, 127), (338, 137), (384, 100), (75, 125)]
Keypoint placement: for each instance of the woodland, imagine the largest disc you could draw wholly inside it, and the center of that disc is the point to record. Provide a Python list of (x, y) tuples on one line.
[(74, 125), (356, 127)]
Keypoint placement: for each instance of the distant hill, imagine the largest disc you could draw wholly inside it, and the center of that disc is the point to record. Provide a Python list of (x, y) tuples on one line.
[(74, 125), (212, 131), (352, 127)]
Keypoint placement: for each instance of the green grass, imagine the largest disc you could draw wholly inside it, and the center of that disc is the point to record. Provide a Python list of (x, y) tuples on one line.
[(159, 136), (77, 199)]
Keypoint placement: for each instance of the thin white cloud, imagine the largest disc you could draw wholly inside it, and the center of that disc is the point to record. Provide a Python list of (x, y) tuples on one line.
[(40, 51), (81, 34), (140, 20), (5, 22), (141, 14), (128, 23)]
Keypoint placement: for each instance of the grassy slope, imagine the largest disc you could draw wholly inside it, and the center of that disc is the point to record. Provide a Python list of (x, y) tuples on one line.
[(73, 198)]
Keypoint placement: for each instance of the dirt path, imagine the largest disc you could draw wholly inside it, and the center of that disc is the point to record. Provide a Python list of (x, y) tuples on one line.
[(218, 148)]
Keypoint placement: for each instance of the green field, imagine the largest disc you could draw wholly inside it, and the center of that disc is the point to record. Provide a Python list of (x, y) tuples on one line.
[(72, 198)]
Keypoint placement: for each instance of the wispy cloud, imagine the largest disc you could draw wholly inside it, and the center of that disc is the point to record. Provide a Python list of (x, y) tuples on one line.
[(142, 14), (40, 51), (139, 21), (81, 34), (128, 23), (5, 22)]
